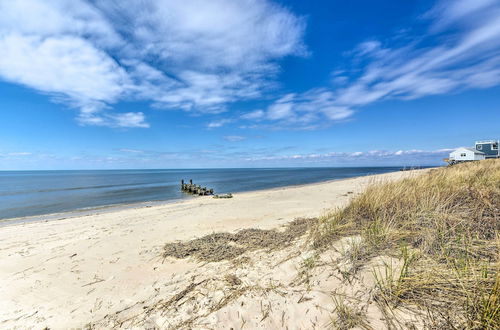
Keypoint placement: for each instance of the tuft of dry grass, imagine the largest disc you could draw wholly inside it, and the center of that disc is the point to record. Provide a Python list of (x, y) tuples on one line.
[(448, 221), (227, 246), (348, 316)]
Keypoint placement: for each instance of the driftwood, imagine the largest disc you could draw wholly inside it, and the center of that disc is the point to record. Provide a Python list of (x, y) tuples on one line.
[(224, 196)]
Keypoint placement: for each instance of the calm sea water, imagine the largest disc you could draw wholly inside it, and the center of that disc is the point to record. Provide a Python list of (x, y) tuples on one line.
[(28, 193)]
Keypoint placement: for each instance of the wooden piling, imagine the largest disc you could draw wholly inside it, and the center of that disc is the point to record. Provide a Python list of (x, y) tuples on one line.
[(195, 189)]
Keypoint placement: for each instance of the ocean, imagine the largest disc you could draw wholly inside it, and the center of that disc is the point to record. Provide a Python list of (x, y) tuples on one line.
[(30, 193)]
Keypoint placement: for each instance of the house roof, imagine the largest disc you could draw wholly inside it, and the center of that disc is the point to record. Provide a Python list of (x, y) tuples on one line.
[(487, 141), (475, 151)]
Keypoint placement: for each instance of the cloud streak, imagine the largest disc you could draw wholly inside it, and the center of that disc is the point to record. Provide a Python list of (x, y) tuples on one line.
[(460, 51), (202, 56), (192, 55), (219, 123), (372, 155), (217, 156), (234, 138)]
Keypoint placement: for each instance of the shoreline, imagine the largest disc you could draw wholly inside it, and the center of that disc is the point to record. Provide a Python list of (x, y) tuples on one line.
[(67, 273), (104, 209), (83, 212)]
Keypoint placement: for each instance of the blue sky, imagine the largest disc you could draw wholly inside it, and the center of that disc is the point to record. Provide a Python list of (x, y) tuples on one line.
[(249, 83)]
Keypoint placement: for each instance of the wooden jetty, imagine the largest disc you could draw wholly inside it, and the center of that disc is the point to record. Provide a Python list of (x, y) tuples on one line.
[(194, 189)]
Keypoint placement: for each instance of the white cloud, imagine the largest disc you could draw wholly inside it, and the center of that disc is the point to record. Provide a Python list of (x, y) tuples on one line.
[(469, 60), (219, 123), (281, 109), (129, 119), (460, 51), (446, 13), (209, 34), (55, 18), (200, 56), (133, 151), (67, 66), (306, 109), (191, 55), (253, 115), (119, 120), (234, 138), (371, 155), (19, 154)]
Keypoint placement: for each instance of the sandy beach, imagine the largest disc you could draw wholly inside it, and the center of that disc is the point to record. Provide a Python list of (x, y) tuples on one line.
[(104, 270)]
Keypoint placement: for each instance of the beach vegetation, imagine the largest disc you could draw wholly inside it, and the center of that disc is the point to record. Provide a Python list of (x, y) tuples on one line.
[(429, 244), (443, 227), (229, 246), (348, 316)]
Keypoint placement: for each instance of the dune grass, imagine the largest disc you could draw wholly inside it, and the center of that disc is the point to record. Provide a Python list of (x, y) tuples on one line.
[(444, 226)]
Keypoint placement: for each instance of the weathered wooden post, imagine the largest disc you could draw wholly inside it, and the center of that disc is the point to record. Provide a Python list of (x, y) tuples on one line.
[(195, 189)]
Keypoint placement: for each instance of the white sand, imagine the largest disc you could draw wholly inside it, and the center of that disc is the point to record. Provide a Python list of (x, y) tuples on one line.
[(67, 273)]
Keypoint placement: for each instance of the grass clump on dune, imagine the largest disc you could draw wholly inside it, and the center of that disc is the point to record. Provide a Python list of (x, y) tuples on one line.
[(445, 226)]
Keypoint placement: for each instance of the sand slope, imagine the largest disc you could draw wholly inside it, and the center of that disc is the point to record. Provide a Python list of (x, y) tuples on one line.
[(106, 268)]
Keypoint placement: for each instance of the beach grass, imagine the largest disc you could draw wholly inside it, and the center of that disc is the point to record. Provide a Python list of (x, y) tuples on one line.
[(444, 227), (430, 242)]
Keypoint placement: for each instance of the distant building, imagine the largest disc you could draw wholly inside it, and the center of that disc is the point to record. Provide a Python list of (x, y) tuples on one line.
[(482, 150), (466, 155), (489, 148)]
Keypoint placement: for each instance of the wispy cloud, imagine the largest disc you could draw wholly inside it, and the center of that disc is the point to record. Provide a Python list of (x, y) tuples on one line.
[(133, 151), (219, 156), (127, 119), (201, 56), (371, 155), (192, 55), (306, 108), (17, 154), (219, 123), (253, 115), (234, 138), (461, 50)]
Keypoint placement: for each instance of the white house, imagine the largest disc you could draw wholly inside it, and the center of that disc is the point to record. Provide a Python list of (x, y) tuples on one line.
[(466, 154)]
